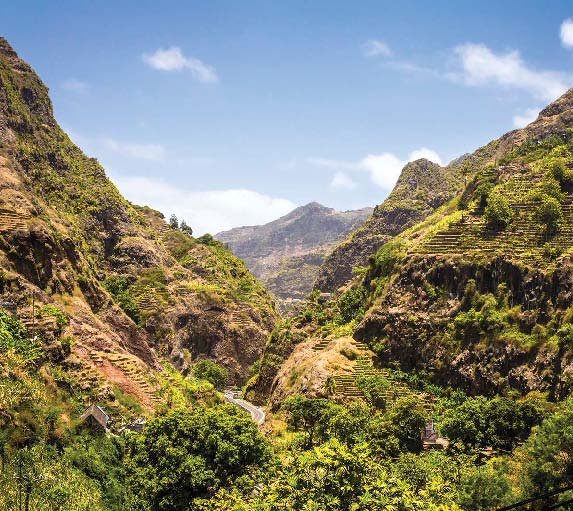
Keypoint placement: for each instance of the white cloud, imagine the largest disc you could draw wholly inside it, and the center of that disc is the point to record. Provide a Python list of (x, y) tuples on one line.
[(384, 169), (375, 48), (481, 66), (141, 151), (566, 33), (343, 181), (525, 118), (205, 211), (73, 85), (173, 59), (424, 152)]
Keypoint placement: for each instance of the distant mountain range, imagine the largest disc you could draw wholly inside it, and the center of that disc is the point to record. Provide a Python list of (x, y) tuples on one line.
[(286, 254)]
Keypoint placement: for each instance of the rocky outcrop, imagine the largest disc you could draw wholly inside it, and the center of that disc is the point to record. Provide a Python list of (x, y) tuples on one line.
[(286, 254), (413, 324), (422, 187)]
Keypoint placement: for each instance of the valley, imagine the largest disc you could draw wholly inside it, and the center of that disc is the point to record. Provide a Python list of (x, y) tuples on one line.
[(427, 365)]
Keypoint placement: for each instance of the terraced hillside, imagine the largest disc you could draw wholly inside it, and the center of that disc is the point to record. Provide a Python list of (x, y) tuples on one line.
[(524, 239), (347, 385), (111, 273), (478, 294)]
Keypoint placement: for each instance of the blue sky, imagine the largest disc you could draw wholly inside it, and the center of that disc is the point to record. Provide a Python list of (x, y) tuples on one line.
[(230, 113)]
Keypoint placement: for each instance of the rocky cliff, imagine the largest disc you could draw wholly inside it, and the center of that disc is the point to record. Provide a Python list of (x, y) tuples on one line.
[(127, 290), (422, 187), (286, 254)]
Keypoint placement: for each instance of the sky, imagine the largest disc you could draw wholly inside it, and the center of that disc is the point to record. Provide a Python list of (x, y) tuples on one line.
[(231, 113)]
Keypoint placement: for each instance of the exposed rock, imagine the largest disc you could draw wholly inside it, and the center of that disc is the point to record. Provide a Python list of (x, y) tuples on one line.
[(286, 254), (129, 283)]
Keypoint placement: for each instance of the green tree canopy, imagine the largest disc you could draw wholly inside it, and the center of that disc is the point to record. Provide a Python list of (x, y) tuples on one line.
[(212, 372), (190, 454)]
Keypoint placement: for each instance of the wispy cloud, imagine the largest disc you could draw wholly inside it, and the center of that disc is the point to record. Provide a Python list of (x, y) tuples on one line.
[(74, 85), (566, 33), (341, 180), (140, 151), (205, 211), (384, 169), (376, 48), (173, 59), (526, 117), (480, 66)]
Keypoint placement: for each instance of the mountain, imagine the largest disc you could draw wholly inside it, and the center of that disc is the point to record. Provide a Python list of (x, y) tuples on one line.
[(422, 187), (475, 294), (108, 278), (286, 254)]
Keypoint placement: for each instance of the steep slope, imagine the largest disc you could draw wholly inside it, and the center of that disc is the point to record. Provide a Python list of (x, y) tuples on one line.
[(422, 187), (285, 254), (479, 294), (126, 283)]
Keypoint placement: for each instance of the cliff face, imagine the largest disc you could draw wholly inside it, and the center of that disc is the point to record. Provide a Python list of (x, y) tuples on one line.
[(477, 295), (286, 254), (128, 283), (422, 187)]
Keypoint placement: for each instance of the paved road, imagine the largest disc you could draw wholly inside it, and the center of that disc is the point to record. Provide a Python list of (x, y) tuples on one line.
[(256, 413)]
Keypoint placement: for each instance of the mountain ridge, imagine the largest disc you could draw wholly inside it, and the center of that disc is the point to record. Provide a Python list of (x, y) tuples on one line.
[(285, 253), (127, 281)]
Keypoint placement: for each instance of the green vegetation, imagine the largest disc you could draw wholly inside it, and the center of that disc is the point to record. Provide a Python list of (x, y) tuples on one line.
[(498, 212), (119, 289), (211, 372)]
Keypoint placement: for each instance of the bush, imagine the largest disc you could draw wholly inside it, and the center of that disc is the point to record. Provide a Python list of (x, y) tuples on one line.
[(549, 214), (62, 319), (351, 304), (498, 212), (212, 372)]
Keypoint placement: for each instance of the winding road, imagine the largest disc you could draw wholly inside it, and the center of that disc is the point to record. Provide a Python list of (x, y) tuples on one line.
[(256, 413)]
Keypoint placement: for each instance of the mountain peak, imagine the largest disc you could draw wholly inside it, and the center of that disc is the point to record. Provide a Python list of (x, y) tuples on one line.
[(286, 253), (559, 106)]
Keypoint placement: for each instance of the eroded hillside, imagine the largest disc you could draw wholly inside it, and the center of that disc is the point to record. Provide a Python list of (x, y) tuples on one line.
[(109, 285)]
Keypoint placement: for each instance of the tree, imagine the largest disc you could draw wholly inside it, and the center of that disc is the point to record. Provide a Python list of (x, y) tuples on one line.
[(500, 422), (483, 489), (409, 418), (186, 228), (329, 387), (212, 372), (549, 213), (173, 222), (375, 388), (547, 462), (311, 416), (187, 455), (498, 212)]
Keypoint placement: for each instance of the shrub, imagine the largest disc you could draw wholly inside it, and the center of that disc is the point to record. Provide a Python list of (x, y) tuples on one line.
[(62, 319), (549, 214), (498, 212), (212, 372)]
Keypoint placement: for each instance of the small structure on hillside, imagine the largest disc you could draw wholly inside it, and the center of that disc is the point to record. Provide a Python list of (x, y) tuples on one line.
[(95, 418), (10, 307), (137, 425), (431, 439)]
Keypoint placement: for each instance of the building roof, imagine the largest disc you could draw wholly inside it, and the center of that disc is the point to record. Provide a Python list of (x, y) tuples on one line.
[(97, 413)]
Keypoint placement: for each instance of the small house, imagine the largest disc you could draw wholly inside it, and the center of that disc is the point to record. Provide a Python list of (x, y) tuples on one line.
[(10, 307), (95, 418), (137, 425), (431, 439)]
